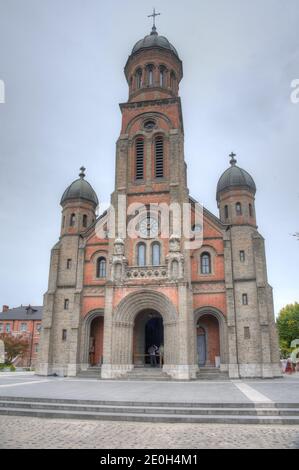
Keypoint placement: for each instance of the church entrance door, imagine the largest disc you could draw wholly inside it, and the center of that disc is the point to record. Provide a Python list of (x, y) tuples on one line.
[(148, 331)]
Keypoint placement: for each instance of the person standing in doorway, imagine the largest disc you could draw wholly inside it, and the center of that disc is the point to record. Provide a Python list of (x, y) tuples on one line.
[(152, 352)]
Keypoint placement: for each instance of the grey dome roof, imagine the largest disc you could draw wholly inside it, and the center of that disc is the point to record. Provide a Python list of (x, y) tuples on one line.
[(154, 40), (80, 189), (235, 177)]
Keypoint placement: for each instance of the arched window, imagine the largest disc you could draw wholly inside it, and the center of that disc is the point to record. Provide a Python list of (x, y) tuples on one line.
[(238, 208), (172, 81), (84, 220), (159, 157), (150, 75), (205, 263), (139, 159), (72, 220), (63, 221), (156, 254), (250, 210), (226, 212), (101, 267), (162, 71), (141, 254), (138, 78)]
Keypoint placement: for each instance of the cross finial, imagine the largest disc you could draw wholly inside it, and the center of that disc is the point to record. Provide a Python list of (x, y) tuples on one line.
[(82, 170), (153, 15), (233, 160)]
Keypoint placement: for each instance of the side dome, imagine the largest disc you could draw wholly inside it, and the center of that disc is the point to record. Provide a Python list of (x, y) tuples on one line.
[(154, 40), (80, 189), (235, 177)]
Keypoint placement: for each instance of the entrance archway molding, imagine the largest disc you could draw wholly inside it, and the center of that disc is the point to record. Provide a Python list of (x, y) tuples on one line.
[(122, 324), (214, 312), (86, 335)]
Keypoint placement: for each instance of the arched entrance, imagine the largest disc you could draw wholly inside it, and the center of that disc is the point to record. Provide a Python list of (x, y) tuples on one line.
[(148, 331), (92, 339), (211, 338), (96, 341), (128, 331), (208, 341)]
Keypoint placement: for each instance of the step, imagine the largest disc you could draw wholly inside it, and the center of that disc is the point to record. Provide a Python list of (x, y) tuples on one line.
[(36, 405), (143, 417), (211, 373), (144, 373), (234, 413), (91, 372), (154, 404)]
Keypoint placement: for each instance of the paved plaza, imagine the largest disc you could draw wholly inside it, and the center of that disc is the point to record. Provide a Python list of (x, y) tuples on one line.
[(284, 390), (34, 432)]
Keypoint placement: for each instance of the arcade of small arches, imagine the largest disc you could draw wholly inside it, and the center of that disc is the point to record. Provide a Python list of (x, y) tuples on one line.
[(83, 220), (153, 75)]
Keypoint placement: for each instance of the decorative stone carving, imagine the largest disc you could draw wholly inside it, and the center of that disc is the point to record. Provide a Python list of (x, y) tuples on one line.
[(119, 247), (175, 259), (174, 244), (146, 272), (118, 261)]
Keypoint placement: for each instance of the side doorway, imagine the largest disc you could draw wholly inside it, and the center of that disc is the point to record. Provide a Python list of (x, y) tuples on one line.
[(201, 346)]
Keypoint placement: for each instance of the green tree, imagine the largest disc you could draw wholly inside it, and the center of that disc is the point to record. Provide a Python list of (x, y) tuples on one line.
[(14, 346), (288, 327)]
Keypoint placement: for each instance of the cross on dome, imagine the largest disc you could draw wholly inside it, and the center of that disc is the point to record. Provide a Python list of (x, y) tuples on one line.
[(82, 170), (153, 15), (233, 160)]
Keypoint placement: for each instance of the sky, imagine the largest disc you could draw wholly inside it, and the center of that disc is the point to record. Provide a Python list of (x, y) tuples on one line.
[(62, 65)]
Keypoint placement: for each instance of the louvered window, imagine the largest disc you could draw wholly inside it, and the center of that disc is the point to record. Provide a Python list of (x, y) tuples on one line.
[(139, 160), (159, 158)]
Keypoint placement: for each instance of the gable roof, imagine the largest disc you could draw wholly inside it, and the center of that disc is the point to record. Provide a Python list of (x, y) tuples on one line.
[(23, 312), (209, 215)]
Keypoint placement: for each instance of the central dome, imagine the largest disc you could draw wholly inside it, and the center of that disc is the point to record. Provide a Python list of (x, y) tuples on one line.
[(154, 40)]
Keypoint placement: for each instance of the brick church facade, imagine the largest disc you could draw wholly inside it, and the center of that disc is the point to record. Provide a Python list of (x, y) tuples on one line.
[(111, 296)]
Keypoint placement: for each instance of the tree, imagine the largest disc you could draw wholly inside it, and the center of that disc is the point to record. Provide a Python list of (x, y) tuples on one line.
[(288, 327), (14, 346)]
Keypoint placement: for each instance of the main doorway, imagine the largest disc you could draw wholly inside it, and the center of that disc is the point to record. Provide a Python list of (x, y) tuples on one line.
[(148, 331)]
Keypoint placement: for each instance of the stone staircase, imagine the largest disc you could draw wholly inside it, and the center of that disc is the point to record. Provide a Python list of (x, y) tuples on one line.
[(146, 373), (93, 372), (167, 412), (211, 373)]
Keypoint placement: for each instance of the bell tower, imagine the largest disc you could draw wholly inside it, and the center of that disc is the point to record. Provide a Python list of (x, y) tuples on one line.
[(149, 157), (150, 173)]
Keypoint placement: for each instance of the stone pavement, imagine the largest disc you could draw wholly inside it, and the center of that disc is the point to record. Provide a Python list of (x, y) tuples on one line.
[(37, 433), (285, 389), (33, 432)]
